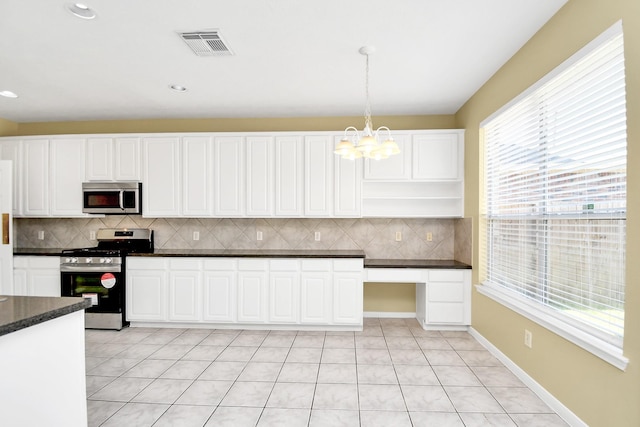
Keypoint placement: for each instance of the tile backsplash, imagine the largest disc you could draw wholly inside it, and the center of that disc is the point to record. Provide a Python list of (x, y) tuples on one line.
[(376, 236)]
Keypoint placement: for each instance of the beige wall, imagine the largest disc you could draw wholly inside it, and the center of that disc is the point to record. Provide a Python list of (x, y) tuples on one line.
[(385, 297), (594, 390), (222, 125)]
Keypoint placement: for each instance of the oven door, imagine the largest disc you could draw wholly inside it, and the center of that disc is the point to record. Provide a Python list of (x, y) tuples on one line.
[(106, 292)]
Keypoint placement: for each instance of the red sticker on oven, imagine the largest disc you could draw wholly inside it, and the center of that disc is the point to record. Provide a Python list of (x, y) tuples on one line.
[(108, 280)]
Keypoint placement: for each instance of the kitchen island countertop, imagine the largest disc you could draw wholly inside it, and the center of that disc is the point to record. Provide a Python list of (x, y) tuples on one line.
[(20, 312)]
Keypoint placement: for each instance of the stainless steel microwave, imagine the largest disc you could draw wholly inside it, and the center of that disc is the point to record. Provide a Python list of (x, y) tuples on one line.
[(112, 197)]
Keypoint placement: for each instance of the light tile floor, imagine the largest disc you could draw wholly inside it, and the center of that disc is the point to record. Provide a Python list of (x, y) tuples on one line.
[(393, 373)]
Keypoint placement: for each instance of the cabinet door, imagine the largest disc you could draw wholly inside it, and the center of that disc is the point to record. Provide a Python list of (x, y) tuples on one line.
[(219, 291), (289, 176), (43, 282), (67, 174), (197, 183), (12, 150), (229, 176), (35, 189), (146, 295), (396, 167), (437, 156), (19, 283), (184, 295), (126, 159), (347, 186), (161, 191), (283, 297), (347, 298), (99, 162), (318, 176), (316, 298), (259, 176), (252, 290)]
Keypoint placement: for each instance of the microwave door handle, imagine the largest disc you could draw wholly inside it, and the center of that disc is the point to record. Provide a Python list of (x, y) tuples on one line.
[(121, 199)]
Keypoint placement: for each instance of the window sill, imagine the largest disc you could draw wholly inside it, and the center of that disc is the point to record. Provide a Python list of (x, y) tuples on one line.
[(596, 346)]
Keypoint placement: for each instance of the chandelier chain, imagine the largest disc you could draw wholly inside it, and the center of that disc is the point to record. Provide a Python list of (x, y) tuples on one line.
[(367, 108)]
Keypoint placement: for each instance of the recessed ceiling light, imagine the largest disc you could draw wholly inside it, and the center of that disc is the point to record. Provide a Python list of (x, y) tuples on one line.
[(178, 88), (81, 10), (8, 94)]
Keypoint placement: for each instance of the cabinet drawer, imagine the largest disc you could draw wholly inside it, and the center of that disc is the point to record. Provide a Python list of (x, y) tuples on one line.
[(443, 312), (146, 263), (446, 292), (283, 265), (253, 265), (446, 275), (217, 264), (348, 264), (316, 265), (185, 264)]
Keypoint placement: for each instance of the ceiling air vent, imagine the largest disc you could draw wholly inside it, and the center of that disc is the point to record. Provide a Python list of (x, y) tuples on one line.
[(206, 43)]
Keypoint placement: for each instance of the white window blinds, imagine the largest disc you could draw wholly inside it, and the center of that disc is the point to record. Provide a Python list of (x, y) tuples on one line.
[(555, 170)]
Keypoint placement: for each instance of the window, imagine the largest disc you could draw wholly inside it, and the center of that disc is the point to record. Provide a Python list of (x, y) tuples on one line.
[(555, 199)]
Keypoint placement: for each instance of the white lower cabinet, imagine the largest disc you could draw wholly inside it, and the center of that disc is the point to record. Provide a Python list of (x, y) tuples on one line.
[(185, 277), (146, 289), (37, 276), (445, 298), (257, 291), (219, 290)]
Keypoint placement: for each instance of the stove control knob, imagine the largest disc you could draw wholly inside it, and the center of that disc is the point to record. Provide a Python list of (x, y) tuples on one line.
[(74, 260), (108, 260), (89, 260)]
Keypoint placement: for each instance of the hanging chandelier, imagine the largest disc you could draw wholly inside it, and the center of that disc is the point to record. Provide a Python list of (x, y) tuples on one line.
[(354, 144)]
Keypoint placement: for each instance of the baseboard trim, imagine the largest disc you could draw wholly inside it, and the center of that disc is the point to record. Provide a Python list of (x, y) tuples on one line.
[(563, 412), (390, 314)]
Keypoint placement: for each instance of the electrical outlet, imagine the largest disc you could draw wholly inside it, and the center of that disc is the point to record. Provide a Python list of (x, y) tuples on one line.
[(528, 338), (41, 235), (92, 235), (429, 237), (317, 236), (398, 236), (196, 235), (259, 235)]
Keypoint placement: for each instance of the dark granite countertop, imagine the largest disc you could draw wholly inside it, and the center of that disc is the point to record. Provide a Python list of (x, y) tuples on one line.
[(19, 312), (38, 251), (255, 253), (415, 263)]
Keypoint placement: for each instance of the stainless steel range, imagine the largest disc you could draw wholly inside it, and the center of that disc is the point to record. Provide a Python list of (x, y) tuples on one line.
[(99, 274)]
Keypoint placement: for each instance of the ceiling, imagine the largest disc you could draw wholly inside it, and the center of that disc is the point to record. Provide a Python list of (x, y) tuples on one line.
[(292, 58)]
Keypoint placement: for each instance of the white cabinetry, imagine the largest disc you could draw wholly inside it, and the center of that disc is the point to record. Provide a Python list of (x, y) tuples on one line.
[(259, 167), (146, 298), (36, 276), (318, 176), (347, 185), (197, 176), (67, 174), (248, 291), (252, 290), (220, 290), (113, 159), (161, 177), (445, 299), (229, 176), (289, 176), (11, 149), (428, 182), (35, 188)]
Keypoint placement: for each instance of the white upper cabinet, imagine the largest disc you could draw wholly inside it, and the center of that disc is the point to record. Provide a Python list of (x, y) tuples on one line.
[(113, 159), (11, 149), (259, 167), (397, 167), (347, 186), (437, 156), (289, 176), (35, 188), (318, 176), (67, 174), (161, 180), (197, 176), (229, 191)]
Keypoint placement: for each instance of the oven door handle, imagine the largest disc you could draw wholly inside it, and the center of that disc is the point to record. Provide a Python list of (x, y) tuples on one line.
[(121, 199), (79, 269)]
